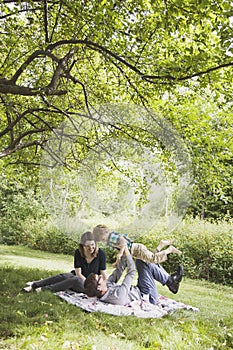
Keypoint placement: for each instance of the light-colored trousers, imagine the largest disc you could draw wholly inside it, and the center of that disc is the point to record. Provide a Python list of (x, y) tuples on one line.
[(140, 251)]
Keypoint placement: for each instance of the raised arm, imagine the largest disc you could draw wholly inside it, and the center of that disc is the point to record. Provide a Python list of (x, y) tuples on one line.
[(125, 262), (131, 269), (121, 247)]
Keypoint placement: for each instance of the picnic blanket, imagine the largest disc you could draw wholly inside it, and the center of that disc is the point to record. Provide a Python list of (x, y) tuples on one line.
[(138, 308)]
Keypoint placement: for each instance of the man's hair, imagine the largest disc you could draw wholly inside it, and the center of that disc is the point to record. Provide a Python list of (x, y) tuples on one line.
[(87, 236), (99, 231), (90, 286)]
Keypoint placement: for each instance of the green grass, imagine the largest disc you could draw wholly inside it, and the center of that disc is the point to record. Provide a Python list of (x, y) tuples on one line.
[(21, 256), (43, 321)]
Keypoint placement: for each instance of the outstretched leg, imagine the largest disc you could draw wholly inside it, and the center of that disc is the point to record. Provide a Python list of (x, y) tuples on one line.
[(48, 281), (171, 249), (163, 243), (52, 280), (147, 274), (141, 252), (74, 283)]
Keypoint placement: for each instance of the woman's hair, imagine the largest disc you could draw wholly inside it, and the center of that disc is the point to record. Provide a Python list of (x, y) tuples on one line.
[(87, 236), (90, 286), (99, 231)]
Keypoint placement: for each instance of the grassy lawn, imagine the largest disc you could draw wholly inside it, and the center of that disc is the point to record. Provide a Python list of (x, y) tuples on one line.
[(43, 321)]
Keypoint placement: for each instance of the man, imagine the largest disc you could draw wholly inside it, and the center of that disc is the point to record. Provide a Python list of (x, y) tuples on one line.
[(108, 291)]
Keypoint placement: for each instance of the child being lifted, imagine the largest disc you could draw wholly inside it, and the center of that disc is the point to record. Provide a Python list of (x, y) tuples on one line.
[(138, 250)]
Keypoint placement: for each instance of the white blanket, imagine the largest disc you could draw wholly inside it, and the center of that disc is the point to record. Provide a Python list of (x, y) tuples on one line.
[(136, 308)]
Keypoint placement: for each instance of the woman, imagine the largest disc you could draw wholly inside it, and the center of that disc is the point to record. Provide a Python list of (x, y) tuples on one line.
[(88, 258)]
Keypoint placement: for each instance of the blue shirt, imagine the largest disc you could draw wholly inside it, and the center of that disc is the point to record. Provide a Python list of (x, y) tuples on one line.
[(114, 240)]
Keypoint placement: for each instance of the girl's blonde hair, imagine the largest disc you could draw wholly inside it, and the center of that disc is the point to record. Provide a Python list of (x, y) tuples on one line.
[(99, 231)]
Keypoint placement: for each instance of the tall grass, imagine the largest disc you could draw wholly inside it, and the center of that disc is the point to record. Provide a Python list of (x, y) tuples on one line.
[(43, 321)]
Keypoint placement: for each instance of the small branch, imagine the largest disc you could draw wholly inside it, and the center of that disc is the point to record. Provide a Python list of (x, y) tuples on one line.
[(56, 22), (33, 56), (7, 87), (64, 113), (11, 124), (55, 157), (18, 147), (76, 81), (149, 78), (26, 133), (96, 47), (134, 87), (58, 71), (19, 11), (46, 21)]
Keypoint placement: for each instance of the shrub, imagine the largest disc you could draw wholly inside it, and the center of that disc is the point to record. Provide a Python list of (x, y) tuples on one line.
[(206, 247), (44, 236), (17, 207)]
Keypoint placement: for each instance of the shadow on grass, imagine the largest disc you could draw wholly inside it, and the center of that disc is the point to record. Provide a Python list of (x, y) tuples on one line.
[(38, 321), (42, 321)]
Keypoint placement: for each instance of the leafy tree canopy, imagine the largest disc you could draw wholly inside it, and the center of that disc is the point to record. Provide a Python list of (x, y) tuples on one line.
[(61, 58)]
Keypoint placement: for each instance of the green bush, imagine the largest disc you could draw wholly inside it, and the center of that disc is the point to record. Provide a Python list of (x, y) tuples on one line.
[(23, 221), (17, 207), (207, 251), (53, 240), (206, 247)]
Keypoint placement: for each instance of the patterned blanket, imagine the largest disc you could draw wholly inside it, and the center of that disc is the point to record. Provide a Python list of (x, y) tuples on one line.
[(138, 308)]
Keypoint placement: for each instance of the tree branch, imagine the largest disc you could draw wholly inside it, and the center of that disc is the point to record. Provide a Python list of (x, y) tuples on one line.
[(8, 86), (20, 146), (96, 47), (46, 21), (56, 22), (58, 71), (149, 78)]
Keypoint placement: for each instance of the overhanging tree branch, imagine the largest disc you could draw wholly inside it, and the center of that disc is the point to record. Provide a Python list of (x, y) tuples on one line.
[(151, 78), (19, 147), (8, 86)]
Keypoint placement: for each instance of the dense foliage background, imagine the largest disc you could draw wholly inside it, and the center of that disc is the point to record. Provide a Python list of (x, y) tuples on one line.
[(61, 59)]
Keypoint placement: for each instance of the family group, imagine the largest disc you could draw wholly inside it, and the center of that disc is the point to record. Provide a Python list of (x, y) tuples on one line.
[(89, 274)]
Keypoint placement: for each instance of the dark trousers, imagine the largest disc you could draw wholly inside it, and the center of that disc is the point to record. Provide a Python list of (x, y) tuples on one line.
[(147, 274), (61, 282)]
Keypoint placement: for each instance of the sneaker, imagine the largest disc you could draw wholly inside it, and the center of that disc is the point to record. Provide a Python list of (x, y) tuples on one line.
[(146, 297), (27, 289), (178, 274), (174, 280), (30, 283)]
